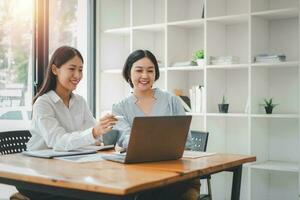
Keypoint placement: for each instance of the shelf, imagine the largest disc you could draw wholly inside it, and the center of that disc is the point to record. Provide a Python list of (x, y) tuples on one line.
[(195, 114), (119, 31), (185, 68), (277, 14), (112, 71), (150, 28), (230, 19), (197, 23), (286, 116), (173, 30), (232, 66), (276, 166), (226, 114), (280, 64)]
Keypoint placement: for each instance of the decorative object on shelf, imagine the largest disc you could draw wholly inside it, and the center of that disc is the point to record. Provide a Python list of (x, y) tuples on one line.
[(199, 57), (185, 100), (223, 107), (269, 58), (268, 104)]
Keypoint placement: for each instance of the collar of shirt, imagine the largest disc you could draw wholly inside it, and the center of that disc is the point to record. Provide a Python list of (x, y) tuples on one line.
[(157, 93), (55, 98)]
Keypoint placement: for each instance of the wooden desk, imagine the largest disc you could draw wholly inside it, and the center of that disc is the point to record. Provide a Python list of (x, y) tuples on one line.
[(109, 180)]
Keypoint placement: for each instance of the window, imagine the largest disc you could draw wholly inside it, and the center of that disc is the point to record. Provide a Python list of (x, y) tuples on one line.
[(12, 115), (69, 27), (20, 33), (16, 52)]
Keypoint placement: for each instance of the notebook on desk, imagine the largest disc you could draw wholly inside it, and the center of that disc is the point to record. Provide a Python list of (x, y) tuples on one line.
[(50, 153), (155, 139)]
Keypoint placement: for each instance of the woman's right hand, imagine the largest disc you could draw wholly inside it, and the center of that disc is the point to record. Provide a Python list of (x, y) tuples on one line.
[(104, 125)]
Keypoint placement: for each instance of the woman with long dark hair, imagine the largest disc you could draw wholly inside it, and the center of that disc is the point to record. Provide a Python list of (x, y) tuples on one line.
[(61, 120)]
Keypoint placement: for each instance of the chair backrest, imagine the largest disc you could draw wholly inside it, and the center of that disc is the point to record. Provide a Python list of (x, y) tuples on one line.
[(13, 141), (199, 140)]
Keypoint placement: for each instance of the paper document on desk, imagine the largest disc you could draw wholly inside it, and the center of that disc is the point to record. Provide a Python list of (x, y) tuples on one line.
[(196, 154), (82, 158)]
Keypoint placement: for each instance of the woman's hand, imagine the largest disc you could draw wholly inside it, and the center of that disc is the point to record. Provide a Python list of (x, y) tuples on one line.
[(105, 124)]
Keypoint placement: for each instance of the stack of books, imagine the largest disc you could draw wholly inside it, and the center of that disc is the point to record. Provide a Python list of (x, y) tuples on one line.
[(269, 58), (197, 97), (223, 60), (184, 63), (194, 103)]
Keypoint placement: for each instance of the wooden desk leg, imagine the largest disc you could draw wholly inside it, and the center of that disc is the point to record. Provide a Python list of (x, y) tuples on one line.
[(236, 182)]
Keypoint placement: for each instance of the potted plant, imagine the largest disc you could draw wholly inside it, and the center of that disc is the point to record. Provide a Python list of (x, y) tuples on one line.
[(223, 107), (199, 57), (268, 104)]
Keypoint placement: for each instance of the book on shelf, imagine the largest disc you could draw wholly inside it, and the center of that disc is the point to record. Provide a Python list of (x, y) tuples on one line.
[(269, 58), (196, 95), (184, 64)]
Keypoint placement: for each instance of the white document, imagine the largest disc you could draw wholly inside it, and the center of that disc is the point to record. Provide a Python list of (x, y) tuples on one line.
[(82, 158), (196, 154)]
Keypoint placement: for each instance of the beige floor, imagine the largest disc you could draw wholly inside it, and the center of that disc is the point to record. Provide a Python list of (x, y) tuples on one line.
[(6, 191)]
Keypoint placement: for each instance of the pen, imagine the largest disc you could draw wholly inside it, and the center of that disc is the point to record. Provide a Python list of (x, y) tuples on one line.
[(119, 117)]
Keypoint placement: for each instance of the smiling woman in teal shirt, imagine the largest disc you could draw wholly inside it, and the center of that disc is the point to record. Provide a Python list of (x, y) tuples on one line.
[(141, 71)]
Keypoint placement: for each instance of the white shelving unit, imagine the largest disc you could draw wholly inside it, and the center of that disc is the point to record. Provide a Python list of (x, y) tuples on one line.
[(173, 30)]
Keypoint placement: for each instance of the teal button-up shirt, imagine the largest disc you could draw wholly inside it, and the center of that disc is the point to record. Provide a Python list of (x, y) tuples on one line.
[(165, 104)]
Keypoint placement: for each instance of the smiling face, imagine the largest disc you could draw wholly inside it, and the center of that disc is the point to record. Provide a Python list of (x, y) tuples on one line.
[(69, 74), (142, 74)]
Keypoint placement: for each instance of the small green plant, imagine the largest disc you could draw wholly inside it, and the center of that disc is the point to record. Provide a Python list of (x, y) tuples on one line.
[(199, 54), (269, 103)]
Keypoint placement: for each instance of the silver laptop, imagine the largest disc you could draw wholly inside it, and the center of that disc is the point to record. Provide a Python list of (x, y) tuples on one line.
[(155, 139)]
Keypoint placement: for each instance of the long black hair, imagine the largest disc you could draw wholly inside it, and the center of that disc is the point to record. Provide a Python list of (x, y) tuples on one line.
[(135, 56), (60, 56)]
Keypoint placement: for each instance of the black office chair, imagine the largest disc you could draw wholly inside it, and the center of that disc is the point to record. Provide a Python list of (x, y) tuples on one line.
[(199, 143), (14, 142)]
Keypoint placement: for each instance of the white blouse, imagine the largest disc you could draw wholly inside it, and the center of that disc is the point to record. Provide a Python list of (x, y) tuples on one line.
[(56, 126)]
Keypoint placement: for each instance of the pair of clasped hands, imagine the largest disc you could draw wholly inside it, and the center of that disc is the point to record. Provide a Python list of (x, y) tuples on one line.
[(104, 125)]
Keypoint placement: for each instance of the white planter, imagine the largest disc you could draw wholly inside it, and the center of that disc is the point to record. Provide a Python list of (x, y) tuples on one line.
[(200, 62)]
